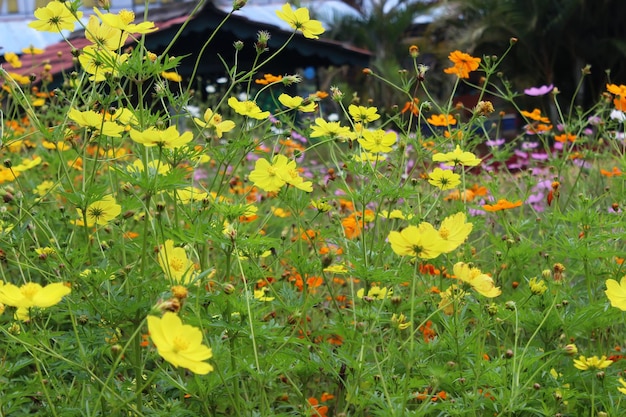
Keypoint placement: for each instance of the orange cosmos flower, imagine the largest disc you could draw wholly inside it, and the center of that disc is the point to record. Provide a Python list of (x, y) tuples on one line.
[(268, 79), (620, 103), (563, 138), (535, 115), (618, 90), (615, 172), (502, 204), (441, 120), (463, 64), (411, 106)]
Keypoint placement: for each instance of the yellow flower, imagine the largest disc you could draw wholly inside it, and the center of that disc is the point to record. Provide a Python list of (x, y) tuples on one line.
[(537, 287), (616, 292), (482, 283), (622, 389), (394, 214), (124, 21), (13, 60), (32, 295), (400, 321), (248, 108), (96, 122), (452, 295), (172, 76), (31, 50), (269, 176), (174, 262), (321, 205), (292, 177), (100, 212), (168, 138), (55, 17), (100, 62), (375, 292), (332, 129), (363, 114), (214, 121), (593, 362), (298, 103), (18, 78), (444, 179), (261, 294), (457, 157), (369, 157), (190, 194), (421, 241), (454, 230), (27, 164), (154, 168), (378, 141), (179, 344), (104, 36), (44, 188), (299, 20)]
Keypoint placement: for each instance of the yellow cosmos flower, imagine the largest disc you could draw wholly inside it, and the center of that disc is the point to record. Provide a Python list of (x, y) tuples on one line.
[(248, 108), (537, 287), (272, 176), (421, 241), (451, 296), (622, 389), (363, 114), (482, 283), (103, 35), (457, 157), (168, 138), (375, 292), (27, 164), (100, 62), (55, 17), (215, 122), (124, 21), (179, 344), (100, 212), (332, 129), (18, 78), (444, 179), (364, 157), (174, 262), (13, 60), (154, 168), (395, 214), (31, 50), (593, 362), (616, 292), (32, 295), (95, 121), (400, 321), (299, 103), (299, 20), (172, 76), (190, 194), (378, 141), (261, 294), (454, 230)]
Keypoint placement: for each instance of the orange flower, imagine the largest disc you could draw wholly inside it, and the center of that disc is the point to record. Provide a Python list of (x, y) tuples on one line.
[(428, 269), (538, 128), (441, 120), (318, 410), (463, 64), (428, 333), (352, 227), (336, 340), (411, 106), (535, 115), (618, 90), (613, 173), (620, 103), (321, 94), (268, 79), (565, 137), (502, 204)]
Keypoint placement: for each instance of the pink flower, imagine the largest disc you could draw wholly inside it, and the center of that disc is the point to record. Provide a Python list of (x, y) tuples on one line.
[(539, 91)]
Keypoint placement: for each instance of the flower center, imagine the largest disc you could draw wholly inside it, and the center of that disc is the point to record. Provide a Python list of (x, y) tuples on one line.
[(444, 233), (126, 16), (180, 344), (177, 264), (29, 290)]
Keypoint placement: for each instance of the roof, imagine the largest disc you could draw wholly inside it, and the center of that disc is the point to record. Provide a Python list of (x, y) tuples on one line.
[(300, 53)]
